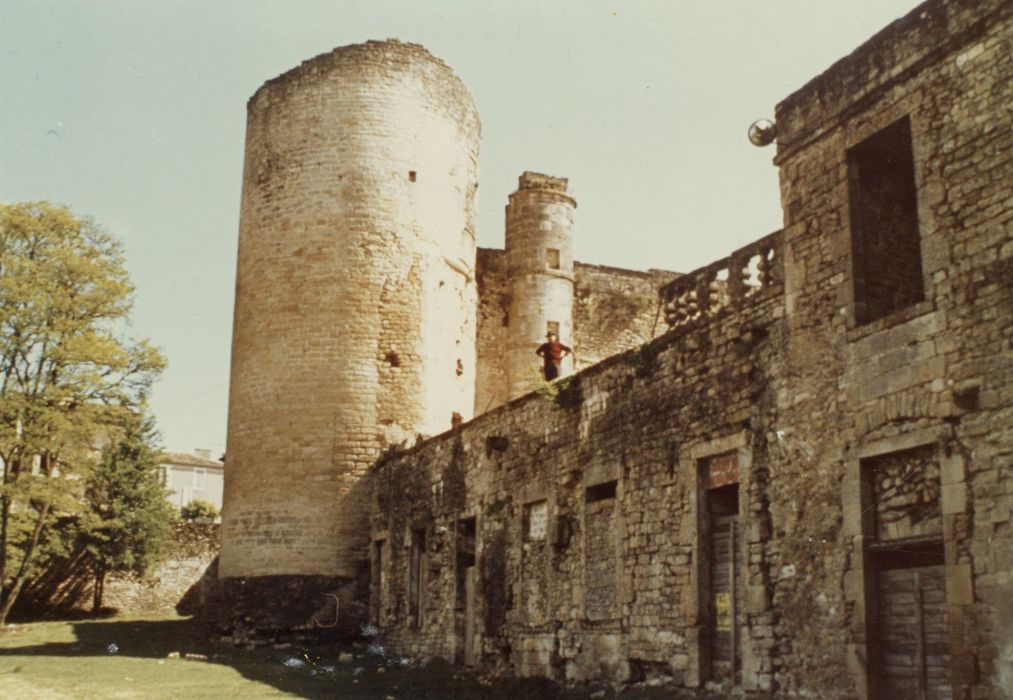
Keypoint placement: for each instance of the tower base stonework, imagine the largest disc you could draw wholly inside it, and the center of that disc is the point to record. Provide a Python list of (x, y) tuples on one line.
[(267, 608)]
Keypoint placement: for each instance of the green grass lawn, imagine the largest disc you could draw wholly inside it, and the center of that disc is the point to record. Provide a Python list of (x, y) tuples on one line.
[(135, 657), (75, 659)]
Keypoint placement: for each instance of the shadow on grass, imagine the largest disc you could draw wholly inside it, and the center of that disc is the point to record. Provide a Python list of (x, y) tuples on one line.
[(311, 671), (59, 615)]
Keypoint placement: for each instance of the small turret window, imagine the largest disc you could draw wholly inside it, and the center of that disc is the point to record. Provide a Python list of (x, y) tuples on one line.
[(552, 258)]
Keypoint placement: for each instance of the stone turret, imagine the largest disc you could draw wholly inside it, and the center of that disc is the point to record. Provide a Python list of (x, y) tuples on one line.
[(539, 249), (355, 308)]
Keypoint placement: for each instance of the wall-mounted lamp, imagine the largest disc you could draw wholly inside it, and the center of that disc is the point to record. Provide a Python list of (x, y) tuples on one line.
[(762, 132)]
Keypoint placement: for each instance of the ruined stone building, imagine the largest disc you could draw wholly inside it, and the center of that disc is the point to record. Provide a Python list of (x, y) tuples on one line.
[(787, 471)]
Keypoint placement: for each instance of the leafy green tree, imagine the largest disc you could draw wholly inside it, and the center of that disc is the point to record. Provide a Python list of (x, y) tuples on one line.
[(128, 526), (66, 371), (198, 509)]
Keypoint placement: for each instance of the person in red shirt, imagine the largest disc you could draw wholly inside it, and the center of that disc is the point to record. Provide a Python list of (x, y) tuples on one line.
[(552, 354)]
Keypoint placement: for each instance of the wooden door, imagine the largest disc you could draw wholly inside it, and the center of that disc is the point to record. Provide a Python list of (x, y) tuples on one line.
[(725, 598), (912, 656)]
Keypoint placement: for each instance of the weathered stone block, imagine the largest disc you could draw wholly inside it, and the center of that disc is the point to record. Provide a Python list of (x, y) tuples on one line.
[(959, 586)]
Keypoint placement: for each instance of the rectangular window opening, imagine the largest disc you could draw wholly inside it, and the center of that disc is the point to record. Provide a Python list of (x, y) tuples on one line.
[(904, 490), (552, 258), (601, 492), (199, 479), (885, 240), (465, 551), (536, 519), (466, 542)]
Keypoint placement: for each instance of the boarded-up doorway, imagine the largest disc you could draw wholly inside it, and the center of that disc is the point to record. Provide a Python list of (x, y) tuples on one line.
[(465, 609), (909, 644), (416, 587)]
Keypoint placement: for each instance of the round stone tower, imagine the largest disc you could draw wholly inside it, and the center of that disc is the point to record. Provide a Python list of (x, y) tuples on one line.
[(354, 323), (539, 250)]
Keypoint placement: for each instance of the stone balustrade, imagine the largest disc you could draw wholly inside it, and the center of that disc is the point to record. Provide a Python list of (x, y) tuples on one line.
[(752, 272)]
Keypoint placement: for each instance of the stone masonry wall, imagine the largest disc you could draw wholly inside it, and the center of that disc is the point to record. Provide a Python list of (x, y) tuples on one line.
[(493, 323), (614, 310), (196, 547), (858, 445), (611, 590), (68, 585), (935, 375)]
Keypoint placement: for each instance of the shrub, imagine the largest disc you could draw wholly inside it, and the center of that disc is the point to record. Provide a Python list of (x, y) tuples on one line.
[(200, 511)]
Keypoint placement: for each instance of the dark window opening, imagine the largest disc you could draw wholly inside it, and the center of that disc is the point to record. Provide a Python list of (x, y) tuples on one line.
[(392, 359), (465, 554), (601, 492), (885, 241), (552, 258), (466, 542), (723, 501), (411, 176)]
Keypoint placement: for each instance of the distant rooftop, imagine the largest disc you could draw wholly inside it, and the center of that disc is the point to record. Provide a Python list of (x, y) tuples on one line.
[(188, 459)]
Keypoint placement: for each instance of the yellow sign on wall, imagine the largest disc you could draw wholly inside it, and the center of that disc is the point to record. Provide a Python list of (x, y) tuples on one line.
[(723, 610)]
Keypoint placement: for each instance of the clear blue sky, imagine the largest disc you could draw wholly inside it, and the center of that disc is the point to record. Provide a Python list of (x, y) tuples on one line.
[(133, 113)]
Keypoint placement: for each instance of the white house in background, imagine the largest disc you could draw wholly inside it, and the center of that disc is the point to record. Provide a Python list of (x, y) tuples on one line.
[(192, 476)]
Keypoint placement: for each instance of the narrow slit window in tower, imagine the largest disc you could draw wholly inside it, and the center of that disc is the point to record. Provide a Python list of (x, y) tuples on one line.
[(552, 258)]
